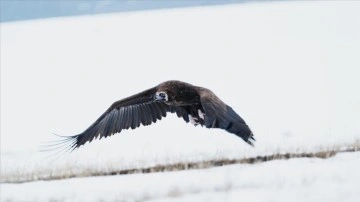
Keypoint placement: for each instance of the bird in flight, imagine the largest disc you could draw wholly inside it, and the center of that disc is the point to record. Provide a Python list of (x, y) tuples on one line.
[(194, 104)]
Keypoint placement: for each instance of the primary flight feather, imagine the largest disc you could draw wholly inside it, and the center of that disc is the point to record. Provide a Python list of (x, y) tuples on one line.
[(194, 104)]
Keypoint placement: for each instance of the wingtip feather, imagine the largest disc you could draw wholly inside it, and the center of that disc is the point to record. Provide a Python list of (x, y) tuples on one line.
[(251, 140)]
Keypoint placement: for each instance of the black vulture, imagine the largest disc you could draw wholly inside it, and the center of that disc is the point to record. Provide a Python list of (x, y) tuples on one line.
[(194, 104)]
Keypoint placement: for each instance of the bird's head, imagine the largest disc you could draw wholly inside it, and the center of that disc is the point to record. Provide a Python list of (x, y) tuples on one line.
[(161, 96)]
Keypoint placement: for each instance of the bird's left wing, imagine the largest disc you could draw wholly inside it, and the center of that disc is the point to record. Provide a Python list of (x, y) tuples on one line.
[(123, 114), (220, 115)]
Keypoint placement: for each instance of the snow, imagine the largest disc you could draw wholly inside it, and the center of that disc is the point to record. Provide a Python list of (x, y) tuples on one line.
[(288, 180), (292, 77)]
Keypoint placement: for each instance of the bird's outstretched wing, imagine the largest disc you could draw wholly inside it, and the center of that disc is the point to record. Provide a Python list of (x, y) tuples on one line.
[(220, 115), (124, 114)]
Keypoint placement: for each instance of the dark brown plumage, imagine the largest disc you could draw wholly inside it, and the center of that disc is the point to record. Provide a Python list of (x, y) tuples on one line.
[(194, 104)]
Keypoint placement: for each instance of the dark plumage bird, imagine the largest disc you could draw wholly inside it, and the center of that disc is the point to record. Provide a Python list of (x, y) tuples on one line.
[(194, 104)]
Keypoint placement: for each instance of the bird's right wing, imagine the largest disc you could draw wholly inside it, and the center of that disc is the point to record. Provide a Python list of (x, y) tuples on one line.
[(123, 114)]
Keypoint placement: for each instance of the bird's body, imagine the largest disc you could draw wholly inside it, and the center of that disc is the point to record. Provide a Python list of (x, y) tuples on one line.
[(194, 104)]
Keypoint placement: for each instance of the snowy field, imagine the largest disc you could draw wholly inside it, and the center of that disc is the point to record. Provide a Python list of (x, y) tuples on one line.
[(292, 180), (290, 69)]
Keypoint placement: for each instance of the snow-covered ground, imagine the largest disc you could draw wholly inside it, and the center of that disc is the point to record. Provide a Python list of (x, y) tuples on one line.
[(291, 180), (290, 69)]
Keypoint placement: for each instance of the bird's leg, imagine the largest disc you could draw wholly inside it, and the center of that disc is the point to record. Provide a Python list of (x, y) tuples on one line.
[(193, 120), (201, 114)]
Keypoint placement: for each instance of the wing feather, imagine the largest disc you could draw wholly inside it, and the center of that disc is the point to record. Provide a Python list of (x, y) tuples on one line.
[(110, 124), (158, 112), (146, 115), (153, 112), (121, 121), (135, 117), (143, 114), (114, 120), (127, 117), (163, 108), (102, 127), (150, 114)]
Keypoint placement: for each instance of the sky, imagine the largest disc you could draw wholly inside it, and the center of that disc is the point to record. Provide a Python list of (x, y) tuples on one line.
[(14, 10)]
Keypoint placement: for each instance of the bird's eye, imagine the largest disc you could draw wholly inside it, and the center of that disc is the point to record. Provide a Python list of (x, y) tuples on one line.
[(162, 94)]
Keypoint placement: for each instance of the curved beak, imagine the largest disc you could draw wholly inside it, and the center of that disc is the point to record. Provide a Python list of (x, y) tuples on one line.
[(159, 98)]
